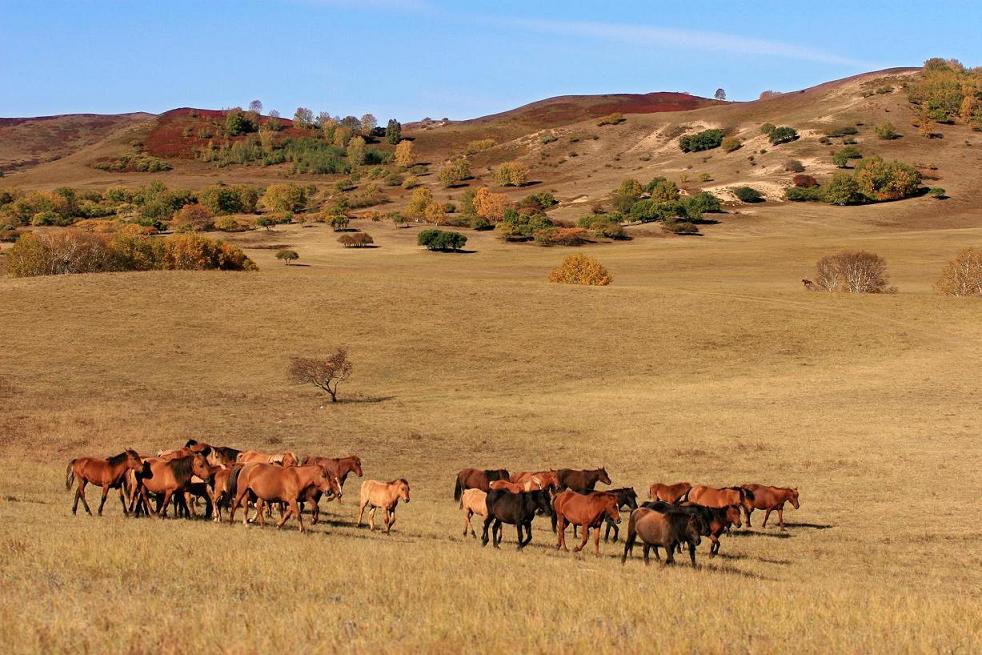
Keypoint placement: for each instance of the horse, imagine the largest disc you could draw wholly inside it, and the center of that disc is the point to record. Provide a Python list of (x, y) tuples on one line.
[(170, 477), (473, 501), (194, 448), (712, 497), (217, 455), (339, 467), (667, 529), (529, 484), (375, 494), (107, 473), (586, 510), (717, 520), (770, 499), (219, 493), (256, 457), (627, 498), (274, 483), (581, 481), (670, 493), (477, 479), (543, 479), (516, 509)]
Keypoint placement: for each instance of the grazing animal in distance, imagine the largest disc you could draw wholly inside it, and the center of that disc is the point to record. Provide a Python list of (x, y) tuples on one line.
[(109, 473), (473, 501), (384, 495), (477, 479), (271, 483), (667, 529), (670, 493), (581, 481), (586, 511), (808, 284), (515, 509), (770, 499), (712, 497)]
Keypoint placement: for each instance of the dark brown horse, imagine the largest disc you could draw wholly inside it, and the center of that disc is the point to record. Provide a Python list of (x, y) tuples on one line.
[(717, 520), (585, 511), (477, 479), (107, 473), (670, 493), (581, 481), (770, 499), (516, 509), (667, 529), (340, 468)]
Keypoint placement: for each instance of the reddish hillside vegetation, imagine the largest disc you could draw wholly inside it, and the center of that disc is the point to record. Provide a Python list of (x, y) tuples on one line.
[(183, 132)]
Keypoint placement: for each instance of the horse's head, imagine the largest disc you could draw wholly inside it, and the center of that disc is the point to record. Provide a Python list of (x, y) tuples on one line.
[(289, 459), (630, 498), (356, 465), (694, 528), (602, 475), (403, 490), (199, 466), (612, 509), (328, 484), (133, 460), (733, 515), (190, 442), (747, 499), (541, 502), (793, 497)]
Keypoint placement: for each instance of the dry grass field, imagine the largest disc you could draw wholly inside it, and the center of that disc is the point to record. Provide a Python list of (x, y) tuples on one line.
[(705, 360)]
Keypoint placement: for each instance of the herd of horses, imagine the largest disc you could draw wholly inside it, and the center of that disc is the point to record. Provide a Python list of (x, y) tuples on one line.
[(676, 516)]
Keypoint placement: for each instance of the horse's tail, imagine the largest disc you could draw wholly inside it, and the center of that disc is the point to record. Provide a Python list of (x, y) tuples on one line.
[(458, 490), (632, 535), (232, 484), (70, 475)]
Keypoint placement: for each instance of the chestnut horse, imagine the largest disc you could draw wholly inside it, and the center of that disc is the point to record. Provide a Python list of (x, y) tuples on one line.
[(473, 501), (107, 473), (712, 497), (581, 481), (218, 455), (219, 493), (375, 494), (667, 529), (170, 477), (542, 479), (670, 493), (586, 511), (770, 499), (271, 483), (477, 479), (256, 457), (339, 467), (529, 484)]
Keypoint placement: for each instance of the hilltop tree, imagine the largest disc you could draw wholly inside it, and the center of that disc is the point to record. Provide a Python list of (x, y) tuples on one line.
[(368, 124), (303, 117), (393, 131), (405, 156), (274, 113), (325, 373), (720, 94), (256, 107)]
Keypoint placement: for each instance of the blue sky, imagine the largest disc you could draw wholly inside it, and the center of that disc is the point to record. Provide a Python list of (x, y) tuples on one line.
[(413, 58)]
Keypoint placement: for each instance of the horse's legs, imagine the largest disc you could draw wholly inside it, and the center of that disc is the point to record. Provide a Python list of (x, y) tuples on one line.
[(596, 539), (102, 503), (77, 496), (496, 533), (748, 512), (561, 533), (387, 519), (467, 521), (81, 493), (528, 532), (518, 529), (714, 546), (766, 514), (392, 517), (295, 508), (371, 518), (692, 553), (586, 537), (647, 548), (361, 511), (484, 533), (670, 558), (655, 548), (315, 512), (163, 505), (780, 516), (122, 500), (260, 516)]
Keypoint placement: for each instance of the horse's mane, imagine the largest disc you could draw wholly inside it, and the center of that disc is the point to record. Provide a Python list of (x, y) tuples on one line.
[(118, 459), (191, 442), (228, 453), (181, 467), (400, 481)]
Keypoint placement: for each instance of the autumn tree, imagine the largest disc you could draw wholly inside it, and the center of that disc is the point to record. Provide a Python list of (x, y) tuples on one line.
[(405, 156), (962, 276), (325, 373), (488, 205), (368, 123), (512, 173), (303, 117), (356, 151), (418, 202), (455, 171), (286, 197), (256, 107), (854, 271)]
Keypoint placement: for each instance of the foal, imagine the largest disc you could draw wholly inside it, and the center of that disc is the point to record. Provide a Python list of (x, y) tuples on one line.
[(375, 494)]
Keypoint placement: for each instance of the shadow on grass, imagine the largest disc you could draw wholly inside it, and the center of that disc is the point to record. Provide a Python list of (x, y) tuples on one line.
[(757, 533), (362, 399), (813, 526), (762, 560)]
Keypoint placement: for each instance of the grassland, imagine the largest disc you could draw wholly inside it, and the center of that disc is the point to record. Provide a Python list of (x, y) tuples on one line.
[(705, 360)]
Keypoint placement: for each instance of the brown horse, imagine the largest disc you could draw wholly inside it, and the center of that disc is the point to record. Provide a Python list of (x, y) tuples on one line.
[(217, 455), (667, 529), (219, 492), (717, 519), (543, 479), (473, 501), (528, 484), (719, 498), (170, 477), (256, 457), (375, 494), (770, 499), (586, 511), (581, 481), (339, 467), (477, 479), (107, 473), (670, 493), (270, 483)]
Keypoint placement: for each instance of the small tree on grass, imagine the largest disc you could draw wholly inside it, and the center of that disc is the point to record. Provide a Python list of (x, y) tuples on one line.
[(855, 271), (325, 373), (356, 240), (748, 194), (581, 269), (441, 241), (962, 276), (288, 256)]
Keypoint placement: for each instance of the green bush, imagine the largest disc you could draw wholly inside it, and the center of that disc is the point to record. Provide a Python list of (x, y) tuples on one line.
[(843, 155), (842, 189), (887, 132), (705, 140), (846, 130), (287, 256), (440, 240), (748, 194), (703, 202), (782, 134), (804, 194)]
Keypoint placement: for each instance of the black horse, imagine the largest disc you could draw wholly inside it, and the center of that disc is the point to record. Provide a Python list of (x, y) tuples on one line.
[(582, 482), (627, 499), (518, 510)]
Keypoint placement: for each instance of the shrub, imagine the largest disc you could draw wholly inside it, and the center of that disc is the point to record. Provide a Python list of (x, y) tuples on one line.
[(825, 141), (540, 201), (228, 224), (794, 166), (767, 128), (663, 190), (680, 227), (804, 193), (490, 205), (881, 180), (325, 373), (411, 182), (842, 156), (440, 240), (522, 226), (287, 256), (138, 163), (611, 119), (355, 240), (59, 253), (191, 252), (705, 140), (804, 181), (842, 190), (703, 202), (238, 122), (845, 130), (782, 134), (286, 197), (193, 218), (962, 276), (420, 199), (581, 269), (404, 155), (512, 173), (855, 271), (480, 145), (887, 132), (454, 172), (747, 194), (937, 192), (731, 143), (610, 230), (560, 236)]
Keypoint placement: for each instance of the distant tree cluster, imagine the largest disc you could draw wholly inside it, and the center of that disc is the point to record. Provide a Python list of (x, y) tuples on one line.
[(946, 92), (705, 140)]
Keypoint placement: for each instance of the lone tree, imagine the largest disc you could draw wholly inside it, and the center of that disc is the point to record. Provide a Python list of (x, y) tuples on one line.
[(325, 373), (288, 256), (720, 94)]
